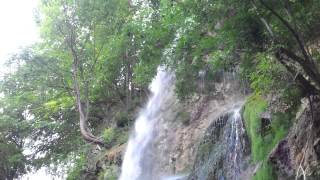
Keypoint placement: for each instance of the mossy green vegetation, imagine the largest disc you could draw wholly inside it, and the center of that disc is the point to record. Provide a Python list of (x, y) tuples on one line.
[(261, 145), (254, 106)]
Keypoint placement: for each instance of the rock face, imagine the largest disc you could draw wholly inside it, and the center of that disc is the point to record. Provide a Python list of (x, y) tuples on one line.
[(183, 127), (177, 143), (223, 153), (298, 154)]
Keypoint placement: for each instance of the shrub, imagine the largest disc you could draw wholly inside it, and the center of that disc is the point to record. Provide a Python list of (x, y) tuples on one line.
[(109, 135)]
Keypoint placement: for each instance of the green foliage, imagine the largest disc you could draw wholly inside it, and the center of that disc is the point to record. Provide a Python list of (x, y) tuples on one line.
[(115, 136), (144, 71), (280, 124), (291, 96), (12, 162), (268, 75), (254, 106), (186, 84), (76, 171), (261, 146), (109, 135)]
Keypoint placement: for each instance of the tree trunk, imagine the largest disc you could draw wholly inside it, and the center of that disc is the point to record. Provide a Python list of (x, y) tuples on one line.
[(303, 75), (83, 115), (70, 37)]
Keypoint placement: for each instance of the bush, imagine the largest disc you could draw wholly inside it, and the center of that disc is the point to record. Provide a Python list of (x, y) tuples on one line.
[(109, 135)]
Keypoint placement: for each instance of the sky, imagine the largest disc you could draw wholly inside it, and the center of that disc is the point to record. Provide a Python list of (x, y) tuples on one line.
[(18, 28)]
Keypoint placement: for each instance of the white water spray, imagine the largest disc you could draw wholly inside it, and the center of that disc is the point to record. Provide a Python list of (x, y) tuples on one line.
[(137, 163)]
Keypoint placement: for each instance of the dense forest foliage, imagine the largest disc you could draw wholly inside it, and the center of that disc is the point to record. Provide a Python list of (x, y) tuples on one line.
[(104, 53)]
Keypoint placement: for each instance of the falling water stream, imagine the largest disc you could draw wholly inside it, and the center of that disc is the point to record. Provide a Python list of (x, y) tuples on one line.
[(137, 163), (235, 144)]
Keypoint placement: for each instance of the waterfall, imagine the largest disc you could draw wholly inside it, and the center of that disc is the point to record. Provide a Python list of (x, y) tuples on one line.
[(138, 160), (235, 144), (222, 154)]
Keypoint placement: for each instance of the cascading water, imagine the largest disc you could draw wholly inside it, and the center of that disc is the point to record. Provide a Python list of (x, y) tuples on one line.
[(235, 144), (222, 153), (138, 163)]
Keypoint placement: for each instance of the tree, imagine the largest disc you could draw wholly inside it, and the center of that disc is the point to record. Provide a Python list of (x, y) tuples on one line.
[(301, 65), (82, 34)]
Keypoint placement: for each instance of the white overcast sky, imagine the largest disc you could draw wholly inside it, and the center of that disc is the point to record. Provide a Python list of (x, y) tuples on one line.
[(17, 27)]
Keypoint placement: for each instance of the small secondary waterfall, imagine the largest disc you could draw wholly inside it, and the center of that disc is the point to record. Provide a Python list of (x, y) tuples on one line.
[(138, 160), (223, 152), (235, 144)]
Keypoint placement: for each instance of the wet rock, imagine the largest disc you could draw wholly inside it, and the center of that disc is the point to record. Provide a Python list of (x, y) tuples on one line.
[(221, 154), (298, 154)]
